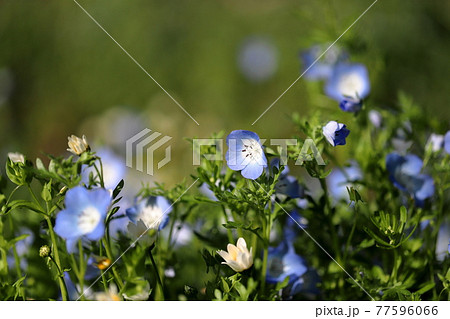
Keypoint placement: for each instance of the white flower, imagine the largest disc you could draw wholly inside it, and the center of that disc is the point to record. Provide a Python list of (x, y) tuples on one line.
[(77, 145), (111, 295), (16, 157), (239, 258)]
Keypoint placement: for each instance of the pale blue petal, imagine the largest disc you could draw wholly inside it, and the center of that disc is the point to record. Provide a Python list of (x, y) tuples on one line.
[(412, 165), (66, 225), (447, 142), (252, 171), (98, 232)]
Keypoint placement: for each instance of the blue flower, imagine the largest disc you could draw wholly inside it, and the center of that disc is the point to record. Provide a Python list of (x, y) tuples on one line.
[(294, 225), (323, 68), (435, 142), (283, 262), (83, 216), (447, 142), (375, 118), (340, 179), (404, 172), (152, 211), (245, 154), (258, 59), (348, 84), (350, 104), (335, 133), (443, 241), (287, 184), (114, 169)]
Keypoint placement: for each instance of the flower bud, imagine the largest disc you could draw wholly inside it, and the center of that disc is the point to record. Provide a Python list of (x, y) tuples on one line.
[(44, 251)]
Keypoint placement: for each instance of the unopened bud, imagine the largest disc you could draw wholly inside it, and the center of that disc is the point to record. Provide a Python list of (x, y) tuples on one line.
[(44, 251)]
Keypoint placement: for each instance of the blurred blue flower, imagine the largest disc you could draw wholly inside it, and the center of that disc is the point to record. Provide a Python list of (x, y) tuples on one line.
[(350, 104), (153, 211), (443, 241), (447, 142), (22, 248), (348, 84), (341, 178), (245, 154), (404, 172), (323, 68), (287, 184), (402, 140), (295, 223), (114, 169), (435, 142), (83, 216), (257, 59), (283, 262), (335, 133), (206, 190), (375, 118)]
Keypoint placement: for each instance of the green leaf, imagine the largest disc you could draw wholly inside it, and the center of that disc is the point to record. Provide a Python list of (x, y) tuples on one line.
[(118, 189), (425, 288), (46, 193), (21, 203), (367, 243), (403, 214)]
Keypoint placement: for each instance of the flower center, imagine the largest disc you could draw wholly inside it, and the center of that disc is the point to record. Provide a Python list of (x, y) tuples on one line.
[(88, 219), (151, 216), (252, 150), (350, 85)]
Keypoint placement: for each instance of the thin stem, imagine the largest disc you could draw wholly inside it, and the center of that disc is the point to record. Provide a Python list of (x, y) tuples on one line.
[(12, 193), (62, 284), (116, 275), (16, 258), (239, 231), (393, 277), (350, 237), (105, 286), (267, 225), (159, 295), (82, 269), (229, 231), (327, 211)]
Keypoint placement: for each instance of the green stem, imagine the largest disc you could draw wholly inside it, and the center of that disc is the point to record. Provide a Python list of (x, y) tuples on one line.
[(267, 225), (62, 284), (116, 275), (105, 286), (57, 261), (229, 231), (350, 237), (82, 269), (16, 257), (12, 193), (393, 278), (328, 215), (159, 294), (235, 218)]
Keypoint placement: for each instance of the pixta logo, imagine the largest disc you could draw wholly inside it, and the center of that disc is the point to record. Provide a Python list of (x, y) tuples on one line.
[(143, 146)]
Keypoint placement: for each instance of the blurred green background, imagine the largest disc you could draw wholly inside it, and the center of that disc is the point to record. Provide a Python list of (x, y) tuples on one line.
[(60, 74)]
